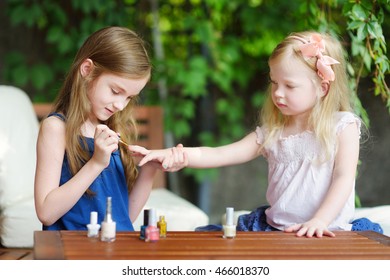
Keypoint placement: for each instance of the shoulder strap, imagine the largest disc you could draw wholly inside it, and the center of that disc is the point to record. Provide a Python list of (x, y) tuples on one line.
[(58, 115)]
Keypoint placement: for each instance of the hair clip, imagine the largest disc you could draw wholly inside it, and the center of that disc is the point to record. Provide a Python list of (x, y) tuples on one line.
[(315, 48)]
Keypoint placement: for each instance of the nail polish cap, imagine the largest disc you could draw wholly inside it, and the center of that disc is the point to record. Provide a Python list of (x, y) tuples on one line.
[(146, 217), (152, 217), (229, 216), (93, 218)]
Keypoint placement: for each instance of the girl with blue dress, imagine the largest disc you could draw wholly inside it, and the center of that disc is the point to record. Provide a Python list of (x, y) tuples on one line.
[(80, 161)]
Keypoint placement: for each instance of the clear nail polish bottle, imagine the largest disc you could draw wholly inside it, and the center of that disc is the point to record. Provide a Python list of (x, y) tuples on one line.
[(108, 225), (93, 227), (229, 229)]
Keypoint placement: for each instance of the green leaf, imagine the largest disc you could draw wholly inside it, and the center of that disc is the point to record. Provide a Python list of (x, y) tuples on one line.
[(20, 75), (54, 34), (367, 60), (358, 12), (362, 32), (41, 75), (355, 25)]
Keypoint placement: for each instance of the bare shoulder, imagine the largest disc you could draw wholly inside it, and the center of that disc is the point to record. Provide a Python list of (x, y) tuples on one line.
[(52, 129), (53, 124)]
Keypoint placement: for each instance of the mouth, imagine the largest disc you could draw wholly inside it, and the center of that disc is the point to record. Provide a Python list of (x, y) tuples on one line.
[(109, 112), (281, 105)]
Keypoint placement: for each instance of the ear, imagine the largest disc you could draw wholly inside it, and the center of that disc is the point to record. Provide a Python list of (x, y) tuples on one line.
[(86, 67), (324, 88)]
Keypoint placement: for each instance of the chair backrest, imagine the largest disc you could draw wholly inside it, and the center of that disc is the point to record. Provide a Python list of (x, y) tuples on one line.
[(150, 129)]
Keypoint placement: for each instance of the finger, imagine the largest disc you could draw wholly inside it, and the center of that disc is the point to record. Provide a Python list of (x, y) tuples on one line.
[(180, 153), (148, 158), (318, 233), (310, 232), (138, 149), (301, 232), (98, 130), (165, 164), (293, 228), (329, 233), (175, 155)]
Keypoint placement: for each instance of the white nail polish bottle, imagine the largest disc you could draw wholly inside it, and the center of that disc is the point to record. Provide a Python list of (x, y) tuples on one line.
[(229, 229), (93, 226), (108, 225)]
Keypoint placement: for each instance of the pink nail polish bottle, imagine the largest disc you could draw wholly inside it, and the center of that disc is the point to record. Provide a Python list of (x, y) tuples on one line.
[(152, 232)]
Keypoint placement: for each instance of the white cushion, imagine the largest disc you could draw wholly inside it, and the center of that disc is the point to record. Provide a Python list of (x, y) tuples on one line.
[(378, 214), (18, 134), (180, 214)]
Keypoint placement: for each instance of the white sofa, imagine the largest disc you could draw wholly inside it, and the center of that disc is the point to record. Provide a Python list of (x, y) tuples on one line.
[(18, 133)]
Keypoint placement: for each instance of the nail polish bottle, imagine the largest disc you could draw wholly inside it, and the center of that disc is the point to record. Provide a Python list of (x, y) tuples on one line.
[(108, 225), (229, 229), (145, 225), (93, 226), (162, 226), (152, 233)]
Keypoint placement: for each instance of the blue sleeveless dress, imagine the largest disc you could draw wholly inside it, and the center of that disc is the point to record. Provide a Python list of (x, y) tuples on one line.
[(111, 182)]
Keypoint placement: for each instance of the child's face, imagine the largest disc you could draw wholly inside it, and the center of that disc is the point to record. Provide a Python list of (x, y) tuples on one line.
[(294, 86), (110, 93)]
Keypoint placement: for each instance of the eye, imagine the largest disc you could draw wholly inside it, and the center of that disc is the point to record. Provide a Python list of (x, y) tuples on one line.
[(291, 86), (272, 82), (114, 91)]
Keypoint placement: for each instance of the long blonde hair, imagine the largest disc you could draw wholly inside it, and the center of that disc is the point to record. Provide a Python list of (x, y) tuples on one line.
[(114, 50), (338, 98)]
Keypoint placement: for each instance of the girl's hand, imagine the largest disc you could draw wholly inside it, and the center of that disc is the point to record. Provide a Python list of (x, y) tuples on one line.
[(314, 227), (172, 159), (106, 142)]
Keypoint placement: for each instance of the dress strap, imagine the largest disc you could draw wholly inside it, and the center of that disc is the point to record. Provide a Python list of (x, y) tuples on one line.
[(58, 115)]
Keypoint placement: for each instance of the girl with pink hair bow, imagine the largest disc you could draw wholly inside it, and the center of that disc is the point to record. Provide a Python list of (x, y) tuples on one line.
[(310, 137)]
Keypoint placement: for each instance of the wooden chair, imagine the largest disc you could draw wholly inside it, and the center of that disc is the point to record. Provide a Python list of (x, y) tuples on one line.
[(150, 128)]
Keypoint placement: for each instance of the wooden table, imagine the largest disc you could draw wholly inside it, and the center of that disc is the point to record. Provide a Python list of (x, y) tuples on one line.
[(75, 245)]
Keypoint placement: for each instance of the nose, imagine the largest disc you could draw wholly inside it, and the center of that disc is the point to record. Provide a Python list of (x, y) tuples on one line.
[(119, 104), (277, 91)]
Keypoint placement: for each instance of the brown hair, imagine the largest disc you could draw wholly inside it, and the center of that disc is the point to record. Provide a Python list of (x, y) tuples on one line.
[(114, 50)]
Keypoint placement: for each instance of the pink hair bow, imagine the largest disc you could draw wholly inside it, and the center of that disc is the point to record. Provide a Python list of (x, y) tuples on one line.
[(314, 48)]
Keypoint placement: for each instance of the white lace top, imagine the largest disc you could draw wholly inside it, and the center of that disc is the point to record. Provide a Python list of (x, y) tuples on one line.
[(297, 182)]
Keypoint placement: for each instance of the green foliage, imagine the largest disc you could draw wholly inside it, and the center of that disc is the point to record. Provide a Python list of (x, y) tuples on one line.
[(365, 19), (214, 53), (65, 25)]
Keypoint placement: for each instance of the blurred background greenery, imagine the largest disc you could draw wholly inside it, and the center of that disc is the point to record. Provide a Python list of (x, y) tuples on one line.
[(210, 60)]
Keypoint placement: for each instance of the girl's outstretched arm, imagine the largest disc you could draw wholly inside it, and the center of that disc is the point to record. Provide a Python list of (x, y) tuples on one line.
[(238, 152), (340, 189)]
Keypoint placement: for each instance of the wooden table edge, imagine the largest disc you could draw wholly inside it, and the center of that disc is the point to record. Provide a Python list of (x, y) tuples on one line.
[(51, 248), (381, 238)]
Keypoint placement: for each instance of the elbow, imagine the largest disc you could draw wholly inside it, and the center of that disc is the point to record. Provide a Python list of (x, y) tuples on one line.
[(45, 218)]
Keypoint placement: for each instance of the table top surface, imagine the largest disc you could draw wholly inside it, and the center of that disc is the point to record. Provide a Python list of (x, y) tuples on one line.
[(180, 245)]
